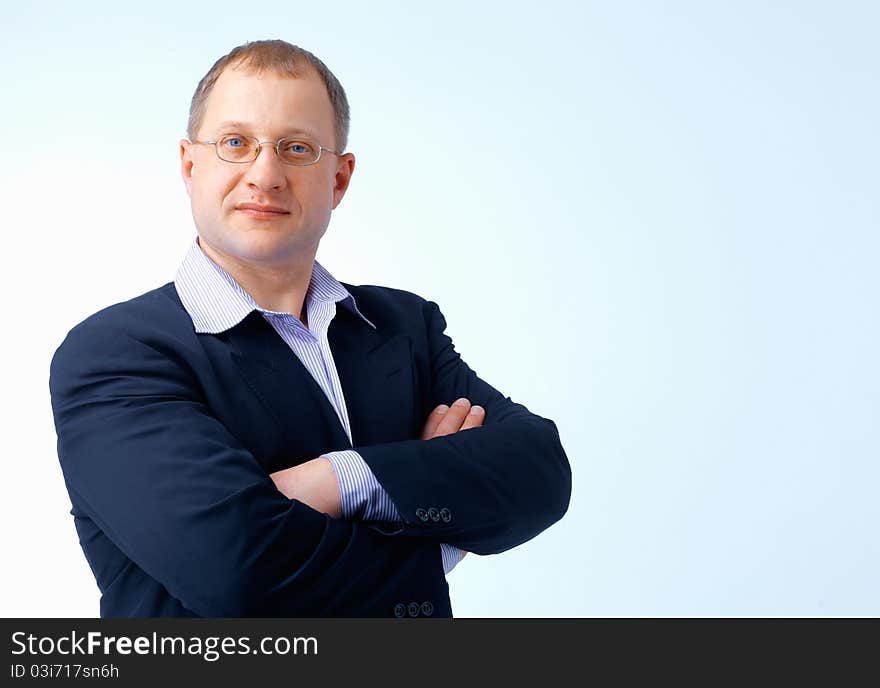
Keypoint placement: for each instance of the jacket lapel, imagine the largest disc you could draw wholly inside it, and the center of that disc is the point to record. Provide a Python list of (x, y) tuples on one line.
[(375, 371), (285, 387)]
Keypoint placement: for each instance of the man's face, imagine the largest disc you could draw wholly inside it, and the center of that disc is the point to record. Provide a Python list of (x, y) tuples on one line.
[(227, 198)]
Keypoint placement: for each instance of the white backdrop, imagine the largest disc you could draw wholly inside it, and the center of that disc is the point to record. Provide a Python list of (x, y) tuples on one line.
[(655, 223)]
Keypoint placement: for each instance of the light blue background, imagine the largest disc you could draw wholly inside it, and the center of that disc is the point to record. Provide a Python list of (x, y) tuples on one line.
[(655, 223)]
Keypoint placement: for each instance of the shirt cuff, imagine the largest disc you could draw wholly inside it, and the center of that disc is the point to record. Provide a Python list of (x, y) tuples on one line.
[(363, 498), (451, 556)]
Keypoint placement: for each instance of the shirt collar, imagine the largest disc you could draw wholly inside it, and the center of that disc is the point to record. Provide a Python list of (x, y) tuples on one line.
[(216, 302)]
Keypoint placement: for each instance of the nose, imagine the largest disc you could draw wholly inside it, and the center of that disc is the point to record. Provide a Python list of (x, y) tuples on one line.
[(267, 172)]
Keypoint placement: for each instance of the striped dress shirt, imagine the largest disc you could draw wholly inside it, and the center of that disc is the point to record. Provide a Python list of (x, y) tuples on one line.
[(216, 303)]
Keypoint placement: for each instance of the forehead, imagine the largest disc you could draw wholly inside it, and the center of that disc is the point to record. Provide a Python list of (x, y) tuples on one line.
[(269, 104)]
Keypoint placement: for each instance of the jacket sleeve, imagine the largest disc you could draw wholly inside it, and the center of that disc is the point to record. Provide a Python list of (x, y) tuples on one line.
[(485, 489), (168, 484)]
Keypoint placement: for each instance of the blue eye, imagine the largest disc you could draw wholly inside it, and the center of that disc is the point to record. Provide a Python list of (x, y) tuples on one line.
[(298, 147), (235, 141), (235, 148), (298, 151)]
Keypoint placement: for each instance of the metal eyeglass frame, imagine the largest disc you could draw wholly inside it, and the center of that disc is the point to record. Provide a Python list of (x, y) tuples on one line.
[(275, 144)]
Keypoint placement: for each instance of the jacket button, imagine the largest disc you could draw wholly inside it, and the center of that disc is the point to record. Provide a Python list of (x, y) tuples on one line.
[(399, 610), (427, 608), (422, 514), (413, 609), (445, 515), (434, 514)]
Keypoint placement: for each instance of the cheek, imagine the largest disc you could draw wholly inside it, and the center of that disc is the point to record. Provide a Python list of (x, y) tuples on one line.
[(320, 192), (210, 192)]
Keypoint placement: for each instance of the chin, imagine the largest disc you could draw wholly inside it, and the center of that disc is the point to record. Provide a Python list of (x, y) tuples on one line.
[(267, 248)]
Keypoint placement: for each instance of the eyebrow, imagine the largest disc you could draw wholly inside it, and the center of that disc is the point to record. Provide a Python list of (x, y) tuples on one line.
[(233, 127)]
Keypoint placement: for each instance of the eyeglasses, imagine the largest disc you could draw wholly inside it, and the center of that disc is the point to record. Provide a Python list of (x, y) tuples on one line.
[(292, 150)]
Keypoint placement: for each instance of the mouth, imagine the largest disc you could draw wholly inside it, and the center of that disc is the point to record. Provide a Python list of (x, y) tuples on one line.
[(261, 212)]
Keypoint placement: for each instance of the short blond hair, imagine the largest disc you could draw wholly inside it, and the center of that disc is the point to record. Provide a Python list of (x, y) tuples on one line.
[(281, 58)]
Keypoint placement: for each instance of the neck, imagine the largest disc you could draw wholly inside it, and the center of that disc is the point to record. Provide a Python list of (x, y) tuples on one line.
[(277, 287)]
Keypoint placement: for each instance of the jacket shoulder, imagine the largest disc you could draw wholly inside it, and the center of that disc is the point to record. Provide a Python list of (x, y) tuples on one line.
[(151, 317), (145, 311)]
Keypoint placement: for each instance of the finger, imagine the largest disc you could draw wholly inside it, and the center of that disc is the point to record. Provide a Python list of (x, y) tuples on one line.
[(433, 421), (475, 418), (454, 417)]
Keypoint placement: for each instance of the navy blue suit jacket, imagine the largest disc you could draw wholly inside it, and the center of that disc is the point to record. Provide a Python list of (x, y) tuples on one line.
[(166, 439)]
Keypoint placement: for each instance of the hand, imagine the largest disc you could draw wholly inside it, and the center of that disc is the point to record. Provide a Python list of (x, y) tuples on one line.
[(314, 483), (446, 420)]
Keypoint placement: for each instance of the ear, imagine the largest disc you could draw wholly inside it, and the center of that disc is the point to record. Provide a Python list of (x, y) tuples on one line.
[(342, 178), (186, 164)]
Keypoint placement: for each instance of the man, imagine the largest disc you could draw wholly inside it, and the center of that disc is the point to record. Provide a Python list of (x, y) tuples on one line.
[(259, 439)]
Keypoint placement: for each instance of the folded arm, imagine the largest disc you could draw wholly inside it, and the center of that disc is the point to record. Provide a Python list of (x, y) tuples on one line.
[(165, 481), (494, 486), (341, 484), (485, 490)]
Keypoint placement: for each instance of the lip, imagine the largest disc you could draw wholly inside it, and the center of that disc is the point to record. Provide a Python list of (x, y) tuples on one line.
[(263, 212)]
